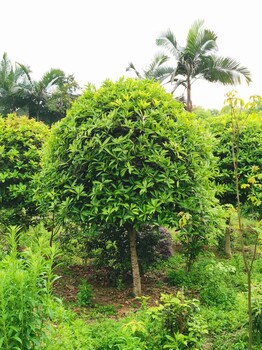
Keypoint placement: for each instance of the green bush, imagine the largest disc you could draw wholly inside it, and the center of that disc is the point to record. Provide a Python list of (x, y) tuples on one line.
[(85, 294), (213, 280), (175, 319), (21, 140), (182, 327), (178, 277), (70, 335), (216, 289)]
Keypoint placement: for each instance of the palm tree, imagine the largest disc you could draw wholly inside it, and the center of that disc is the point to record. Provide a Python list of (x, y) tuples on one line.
[(46, 99), (49, 97), (198, 60), (39, 92), (13, 86)]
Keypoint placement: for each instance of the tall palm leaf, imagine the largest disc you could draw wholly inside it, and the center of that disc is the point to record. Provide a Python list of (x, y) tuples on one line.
[(225, 70)]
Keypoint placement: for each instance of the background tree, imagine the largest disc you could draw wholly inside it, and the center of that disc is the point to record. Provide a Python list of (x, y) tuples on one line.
[(62, 98), (249, 145), (50, 97), (13, 86), (46, 99), (248, 257), (126, 155), (21, 140), (250, 152), (198, 60)]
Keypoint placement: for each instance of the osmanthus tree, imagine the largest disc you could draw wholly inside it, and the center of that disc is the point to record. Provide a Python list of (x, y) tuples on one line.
[(128, 154), (21, 140)]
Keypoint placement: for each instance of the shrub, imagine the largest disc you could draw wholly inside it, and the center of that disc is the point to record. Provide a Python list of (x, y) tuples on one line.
[(183, 327), (178, 278), (21, 140), (84, 294), (213, 280), (216, 289)]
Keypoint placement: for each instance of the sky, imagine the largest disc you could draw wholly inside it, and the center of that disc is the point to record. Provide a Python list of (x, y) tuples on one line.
[(96, 39)]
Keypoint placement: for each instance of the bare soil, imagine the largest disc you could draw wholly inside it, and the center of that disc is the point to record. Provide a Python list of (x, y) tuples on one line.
[(66, 287)]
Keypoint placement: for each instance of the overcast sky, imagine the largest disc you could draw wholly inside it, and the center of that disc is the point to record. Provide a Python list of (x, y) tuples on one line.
[(96, 39)]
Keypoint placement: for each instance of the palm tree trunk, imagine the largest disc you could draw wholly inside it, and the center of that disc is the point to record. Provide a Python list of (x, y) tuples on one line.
[(189, 105), (134, 262)]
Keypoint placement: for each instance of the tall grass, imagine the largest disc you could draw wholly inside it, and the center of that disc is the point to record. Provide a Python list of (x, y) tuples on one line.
[(25, 290)]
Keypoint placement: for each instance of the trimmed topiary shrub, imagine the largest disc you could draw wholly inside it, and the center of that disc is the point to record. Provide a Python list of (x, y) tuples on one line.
[(126, 155)]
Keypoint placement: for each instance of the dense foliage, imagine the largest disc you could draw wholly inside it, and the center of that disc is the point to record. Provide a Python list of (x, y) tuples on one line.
[(21, 140)]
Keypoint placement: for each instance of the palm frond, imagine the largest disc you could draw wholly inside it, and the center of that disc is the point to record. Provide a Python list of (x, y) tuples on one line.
[(207, 42), (158, 60), (162, 73), (26, 70), (200, 41), (52, 77), (169, 42), (131, 67), (179, 82), (227, 71)]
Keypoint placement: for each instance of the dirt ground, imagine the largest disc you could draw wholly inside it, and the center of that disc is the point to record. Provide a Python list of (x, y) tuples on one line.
[(66, 287)]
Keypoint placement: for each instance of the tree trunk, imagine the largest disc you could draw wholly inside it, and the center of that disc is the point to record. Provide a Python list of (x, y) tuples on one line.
[(228, 243), (189, 105), (134, 262)]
